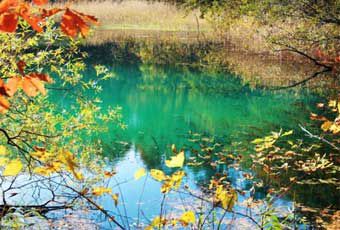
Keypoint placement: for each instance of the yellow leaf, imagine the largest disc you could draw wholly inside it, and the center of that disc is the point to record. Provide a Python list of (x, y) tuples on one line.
[(3, 161), (187, 218), (139, 173), (326, 125), (176, 179), (332, 103), (98, 191), (42, 155), (68, 159), (48, 169), (3, 151), (157, 174), (115, 198), (172, 182), (13, 168), (287, 133), (173, 148), (335, 128), (156, 223), (257, 141), (176, 161), (227, 198)]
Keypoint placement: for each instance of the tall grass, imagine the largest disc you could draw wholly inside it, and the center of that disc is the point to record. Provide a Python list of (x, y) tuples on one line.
[(141, 15)]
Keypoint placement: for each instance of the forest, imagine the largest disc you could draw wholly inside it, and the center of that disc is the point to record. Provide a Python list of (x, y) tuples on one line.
[(170, 114)]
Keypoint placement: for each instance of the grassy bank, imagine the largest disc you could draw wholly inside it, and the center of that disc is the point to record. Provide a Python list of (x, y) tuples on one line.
[(154, 21), (141, 15)]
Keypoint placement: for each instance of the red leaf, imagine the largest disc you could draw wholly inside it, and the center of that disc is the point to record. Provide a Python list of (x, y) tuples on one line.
[(21, 66), (48, 13), (2, 87), (8, 22), (89, 18), (40, 2), (74, 22)]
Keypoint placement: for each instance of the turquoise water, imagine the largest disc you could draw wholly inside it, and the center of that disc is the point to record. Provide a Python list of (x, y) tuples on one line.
[(162, 106)]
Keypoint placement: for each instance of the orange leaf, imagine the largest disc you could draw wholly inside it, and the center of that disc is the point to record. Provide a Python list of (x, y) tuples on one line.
[(12, 85), (32, 86), (4, 104), (24, 12), (40, 2), (6, 4), (8, 22)]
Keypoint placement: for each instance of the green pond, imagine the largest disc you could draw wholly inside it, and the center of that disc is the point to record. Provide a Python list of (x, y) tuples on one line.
[(163, 105)]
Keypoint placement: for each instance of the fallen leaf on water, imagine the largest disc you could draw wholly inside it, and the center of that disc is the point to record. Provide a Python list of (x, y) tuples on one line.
[(157, 174), (176, 161), (139, 173)]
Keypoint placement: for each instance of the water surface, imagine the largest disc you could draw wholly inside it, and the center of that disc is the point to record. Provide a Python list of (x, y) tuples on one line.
[(170, 105)]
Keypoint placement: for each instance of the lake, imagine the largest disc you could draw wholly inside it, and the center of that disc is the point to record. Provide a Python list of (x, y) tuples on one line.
[(193, 110)]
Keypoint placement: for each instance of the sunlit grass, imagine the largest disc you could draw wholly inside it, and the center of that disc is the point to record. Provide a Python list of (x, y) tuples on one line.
[(143, 15)]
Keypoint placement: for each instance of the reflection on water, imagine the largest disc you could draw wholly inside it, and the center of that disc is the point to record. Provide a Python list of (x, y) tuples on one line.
[(164, 106)]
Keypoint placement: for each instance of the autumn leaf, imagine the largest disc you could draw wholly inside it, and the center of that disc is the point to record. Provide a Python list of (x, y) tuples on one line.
[(98, 191), (12, 85), (8, 22), (48, 169), (187, 218), (33, 20), (6, 4), (3, 150), (108, 174), (115, 198), (32, 86), (172, 182), (139, 173), (40, 2), (287, 133), (173, 148), (44, 13), (157, 174), (316, 117), (3, 161), (68, 159), (156, 223), (176, 161), (4, 104), (74, 22), (326, 125), (13, 168), (332, 103), (227, 198)]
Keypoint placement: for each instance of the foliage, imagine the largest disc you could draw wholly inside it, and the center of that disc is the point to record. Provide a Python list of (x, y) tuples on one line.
[(41, 142)]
